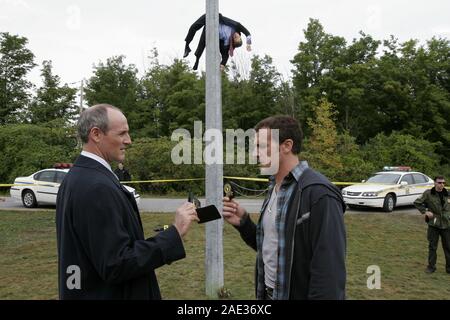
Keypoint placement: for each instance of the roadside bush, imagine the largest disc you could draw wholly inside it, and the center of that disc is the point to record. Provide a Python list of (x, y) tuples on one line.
[(402, 150), (27, 148), (150, 159)]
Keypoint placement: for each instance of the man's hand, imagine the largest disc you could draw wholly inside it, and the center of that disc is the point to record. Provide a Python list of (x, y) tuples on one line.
[(222, 68), (429, 214), (232, 211), (184, 217)]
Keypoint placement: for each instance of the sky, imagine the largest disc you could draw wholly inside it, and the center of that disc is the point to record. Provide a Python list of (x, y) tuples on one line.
[(77, 34)]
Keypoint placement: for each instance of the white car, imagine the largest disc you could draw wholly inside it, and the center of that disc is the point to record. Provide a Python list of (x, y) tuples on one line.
[(42, 187), (387, 190)]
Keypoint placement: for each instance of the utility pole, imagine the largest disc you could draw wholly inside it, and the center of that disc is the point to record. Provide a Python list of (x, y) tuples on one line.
[(214, 172), (81, 96)]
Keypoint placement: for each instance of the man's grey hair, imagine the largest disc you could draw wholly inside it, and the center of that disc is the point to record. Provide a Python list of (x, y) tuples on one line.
[(95, 116)]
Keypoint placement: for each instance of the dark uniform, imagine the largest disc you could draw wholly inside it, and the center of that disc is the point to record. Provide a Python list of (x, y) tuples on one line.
[(439, 225)]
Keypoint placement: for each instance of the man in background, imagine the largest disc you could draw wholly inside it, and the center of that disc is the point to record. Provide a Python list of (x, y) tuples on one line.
[(434, 205), (122, 173)]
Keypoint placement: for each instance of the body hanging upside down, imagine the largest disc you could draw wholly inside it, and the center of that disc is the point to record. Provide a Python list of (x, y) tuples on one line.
[(229, 38)]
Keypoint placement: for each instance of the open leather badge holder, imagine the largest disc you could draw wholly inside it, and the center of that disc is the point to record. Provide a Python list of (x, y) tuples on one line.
[(205, 214)]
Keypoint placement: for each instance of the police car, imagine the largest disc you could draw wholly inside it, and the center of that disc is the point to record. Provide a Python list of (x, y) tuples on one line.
[(390, 188), (42, 187)]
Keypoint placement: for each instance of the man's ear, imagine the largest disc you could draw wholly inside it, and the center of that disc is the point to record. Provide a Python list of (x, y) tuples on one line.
[(287, 145), (95, 134)]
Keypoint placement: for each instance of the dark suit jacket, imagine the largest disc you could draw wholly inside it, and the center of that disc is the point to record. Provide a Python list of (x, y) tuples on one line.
[(99, 230)]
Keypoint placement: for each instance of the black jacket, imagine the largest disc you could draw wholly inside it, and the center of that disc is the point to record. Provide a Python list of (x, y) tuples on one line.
[(315, 241), (99, 230), (123, 174)]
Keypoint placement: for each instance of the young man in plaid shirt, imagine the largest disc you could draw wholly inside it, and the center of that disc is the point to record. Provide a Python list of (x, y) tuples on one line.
[(300, 237)]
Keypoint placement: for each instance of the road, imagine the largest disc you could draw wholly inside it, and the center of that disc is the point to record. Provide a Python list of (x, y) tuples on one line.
[(170, 205)]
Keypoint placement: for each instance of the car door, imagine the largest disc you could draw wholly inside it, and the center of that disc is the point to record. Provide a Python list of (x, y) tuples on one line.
[(421, 184), (406, 192), (46, 187)]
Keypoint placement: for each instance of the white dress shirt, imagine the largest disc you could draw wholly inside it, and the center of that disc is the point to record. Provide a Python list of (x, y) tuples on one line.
[(98, 159)]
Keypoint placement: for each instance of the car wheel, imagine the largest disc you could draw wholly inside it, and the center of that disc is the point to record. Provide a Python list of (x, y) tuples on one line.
[(389, 203), (29, 199)]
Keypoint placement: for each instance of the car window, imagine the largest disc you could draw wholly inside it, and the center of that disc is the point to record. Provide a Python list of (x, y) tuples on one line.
[(408, 178), (47, 176), (37, 175), (420, 178), (60, 176), (384, 178)]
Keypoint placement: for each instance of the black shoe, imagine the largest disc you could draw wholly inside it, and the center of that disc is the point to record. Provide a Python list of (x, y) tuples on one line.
[(186, 51), (430, 270), (195, 65)]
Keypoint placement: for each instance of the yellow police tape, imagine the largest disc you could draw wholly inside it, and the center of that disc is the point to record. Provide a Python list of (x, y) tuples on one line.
[(194, 179), (202, 179)]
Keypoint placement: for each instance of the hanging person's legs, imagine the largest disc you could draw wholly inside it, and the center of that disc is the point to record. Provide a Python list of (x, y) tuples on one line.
[(191, 33), (200, 48)]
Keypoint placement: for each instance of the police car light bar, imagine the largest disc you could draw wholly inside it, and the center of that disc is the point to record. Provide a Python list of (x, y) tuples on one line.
[(62, 165), (398, 168)]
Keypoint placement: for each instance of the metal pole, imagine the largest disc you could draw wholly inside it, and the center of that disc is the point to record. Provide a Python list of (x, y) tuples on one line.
[(81, 96), (214, 172)]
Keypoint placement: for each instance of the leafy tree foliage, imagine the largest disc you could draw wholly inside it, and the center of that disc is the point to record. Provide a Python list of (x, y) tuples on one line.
[(16, 60), (402, 149), (116, 83), (52, 101), (27, 148), (362, 105), (321, 147)]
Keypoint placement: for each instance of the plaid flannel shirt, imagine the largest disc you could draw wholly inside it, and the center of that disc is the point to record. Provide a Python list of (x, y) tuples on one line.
[(284, 198)]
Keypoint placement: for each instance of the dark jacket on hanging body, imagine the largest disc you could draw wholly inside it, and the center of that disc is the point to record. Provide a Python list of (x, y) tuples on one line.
[(224, 49)]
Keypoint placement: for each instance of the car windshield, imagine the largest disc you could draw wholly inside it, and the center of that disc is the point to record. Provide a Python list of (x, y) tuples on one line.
[(384, 178)]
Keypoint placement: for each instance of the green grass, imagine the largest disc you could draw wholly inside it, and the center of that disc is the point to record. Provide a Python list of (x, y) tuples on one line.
[(396, 243)]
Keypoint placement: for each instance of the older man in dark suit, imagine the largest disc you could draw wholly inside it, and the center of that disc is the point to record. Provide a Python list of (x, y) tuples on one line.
[(102, 251)]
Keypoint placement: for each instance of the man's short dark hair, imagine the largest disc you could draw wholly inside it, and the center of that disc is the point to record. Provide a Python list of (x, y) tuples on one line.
[(288, 127), (438, 177)]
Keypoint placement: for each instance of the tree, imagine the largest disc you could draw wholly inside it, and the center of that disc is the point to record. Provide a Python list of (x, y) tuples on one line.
[(15, 63), (247, 101), (27, 148), (52, 101), (321, 147), (317, 56), (354, 166), (399, 149), (116, 83), (348, 84), (174, 96)]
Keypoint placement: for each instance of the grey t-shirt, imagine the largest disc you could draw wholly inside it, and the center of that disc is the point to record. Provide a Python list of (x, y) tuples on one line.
[(270, 241)]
